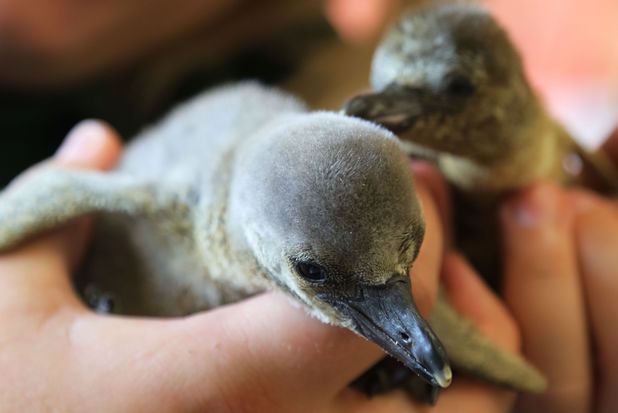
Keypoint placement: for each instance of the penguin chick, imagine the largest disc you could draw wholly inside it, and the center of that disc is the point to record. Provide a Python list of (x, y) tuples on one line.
[(449, 80), (240, 191)]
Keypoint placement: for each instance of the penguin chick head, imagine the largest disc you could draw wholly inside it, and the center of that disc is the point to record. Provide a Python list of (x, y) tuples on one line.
[(328, 208), (448, 78)]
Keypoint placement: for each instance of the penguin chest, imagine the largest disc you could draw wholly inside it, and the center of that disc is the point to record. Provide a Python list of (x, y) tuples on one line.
[(148, 266)]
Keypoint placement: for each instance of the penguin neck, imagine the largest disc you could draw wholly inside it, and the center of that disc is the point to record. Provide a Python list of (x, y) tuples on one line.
[(530, 158), (226, 253), (236, 238)]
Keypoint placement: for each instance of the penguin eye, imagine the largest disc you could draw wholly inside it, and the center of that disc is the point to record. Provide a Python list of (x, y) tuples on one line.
[(311, 272), (460, 86)]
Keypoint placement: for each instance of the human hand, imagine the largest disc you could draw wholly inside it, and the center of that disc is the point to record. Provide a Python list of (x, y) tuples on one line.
[(262, 354), (561, 284)]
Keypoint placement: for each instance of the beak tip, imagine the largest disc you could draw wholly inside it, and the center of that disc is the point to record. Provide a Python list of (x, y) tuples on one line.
[(445, 378)]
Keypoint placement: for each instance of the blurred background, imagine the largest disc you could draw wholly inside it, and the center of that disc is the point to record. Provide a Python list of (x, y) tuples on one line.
[(570, 48), (129, 61)]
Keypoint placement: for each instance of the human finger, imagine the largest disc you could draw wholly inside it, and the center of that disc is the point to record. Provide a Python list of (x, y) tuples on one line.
[(358, 21), (597, 239), (261, 352), (543, 290), (43, 263), (464, 396), (426, 269), (429, 175), (468, 395), (473, 299), (90, 144)]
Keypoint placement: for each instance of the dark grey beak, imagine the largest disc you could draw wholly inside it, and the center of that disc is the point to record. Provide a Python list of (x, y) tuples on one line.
[(395, 108), (388, 316)]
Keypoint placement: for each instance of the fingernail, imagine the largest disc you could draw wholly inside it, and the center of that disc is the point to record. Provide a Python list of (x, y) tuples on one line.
[(83, 143), (535, 206)]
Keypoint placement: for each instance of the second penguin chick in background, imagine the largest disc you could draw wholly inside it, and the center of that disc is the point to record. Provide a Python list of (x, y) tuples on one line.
[(448, 80)]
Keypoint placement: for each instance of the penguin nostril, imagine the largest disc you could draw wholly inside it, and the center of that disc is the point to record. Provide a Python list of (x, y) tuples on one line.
[(405, 337)]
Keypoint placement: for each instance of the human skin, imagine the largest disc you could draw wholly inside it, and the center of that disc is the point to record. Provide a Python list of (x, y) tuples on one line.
[(54, 353), (561, 286), (559, 246), (262, 354), (74, 40), (59, 43)]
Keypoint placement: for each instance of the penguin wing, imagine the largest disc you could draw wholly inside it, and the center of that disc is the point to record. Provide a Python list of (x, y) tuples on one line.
[(469, 350), (55, 196)]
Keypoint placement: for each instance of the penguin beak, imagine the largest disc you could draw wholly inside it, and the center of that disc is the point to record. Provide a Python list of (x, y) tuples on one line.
[(396, 108), (388, 316)]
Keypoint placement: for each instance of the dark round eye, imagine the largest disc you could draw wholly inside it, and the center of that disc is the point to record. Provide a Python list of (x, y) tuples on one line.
[(311, 272), (460, 86)]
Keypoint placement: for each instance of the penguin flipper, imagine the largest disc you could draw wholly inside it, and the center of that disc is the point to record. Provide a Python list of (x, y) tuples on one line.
[(471, 352), (55, 196)]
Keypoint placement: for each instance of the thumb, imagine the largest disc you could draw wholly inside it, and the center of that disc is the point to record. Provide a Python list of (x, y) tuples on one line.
[(45, 262), (278, 342), (89, 145), (261, 352)]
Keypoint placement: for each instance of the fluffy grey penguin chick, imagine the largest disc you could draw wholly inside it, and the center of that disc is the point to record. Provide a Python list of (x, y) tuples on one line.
[(448, 80), (239, 191)]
